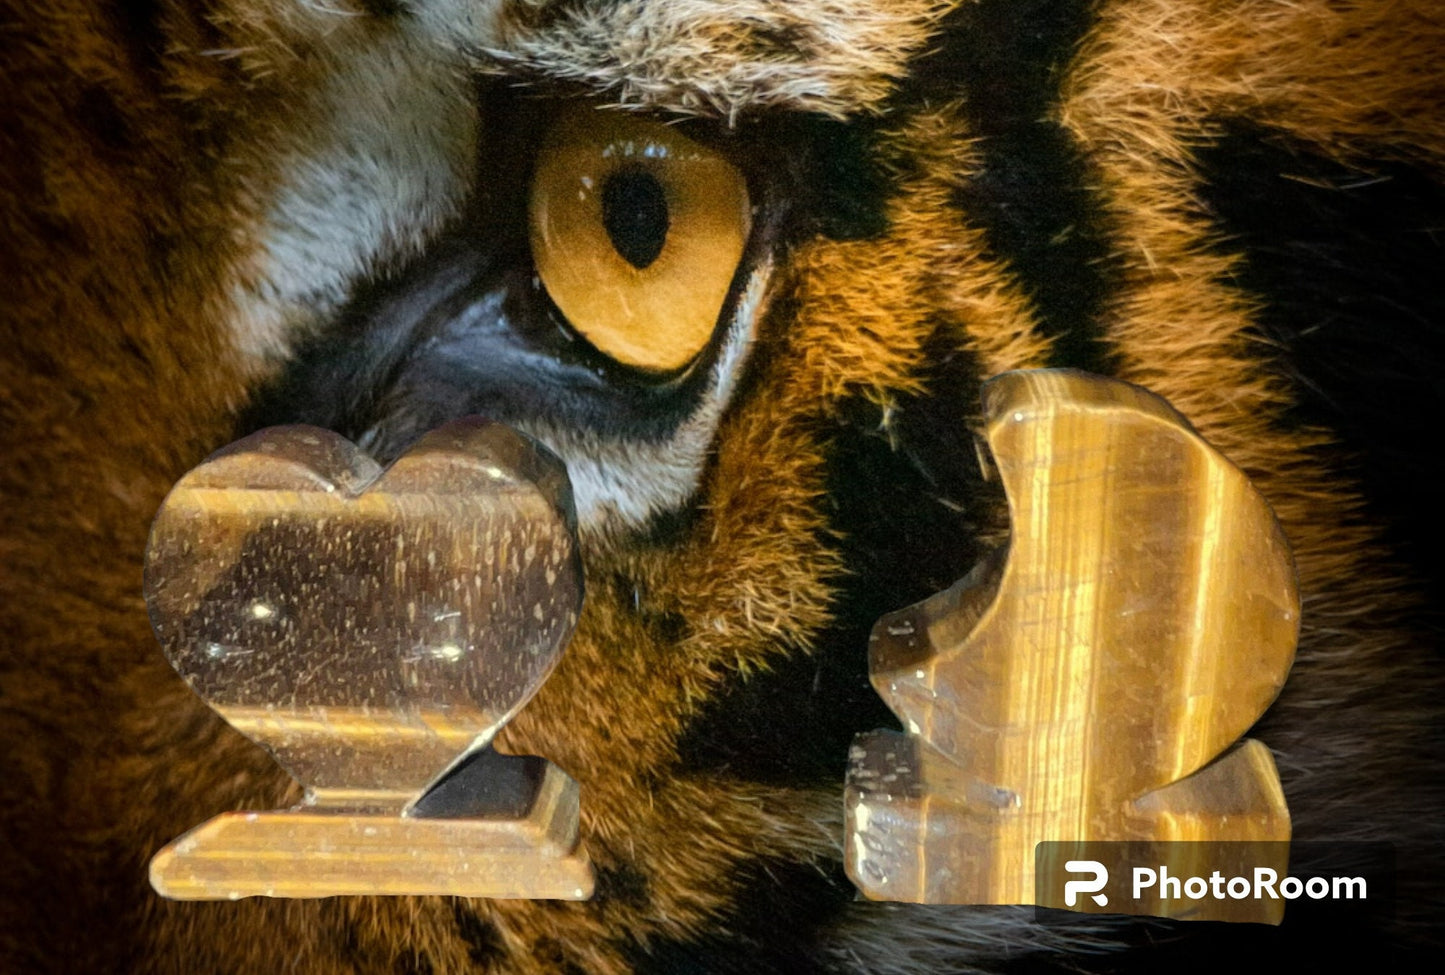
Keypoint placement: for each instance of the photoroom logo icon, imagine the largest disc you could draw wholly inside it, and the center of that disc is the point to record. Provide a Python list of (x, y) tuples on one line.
[(1073, 888)]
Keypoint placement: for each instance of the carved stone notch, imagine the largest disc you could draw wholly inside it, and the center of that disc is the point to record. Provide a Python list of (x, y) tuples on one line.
[(1091, 681), (373, 630)]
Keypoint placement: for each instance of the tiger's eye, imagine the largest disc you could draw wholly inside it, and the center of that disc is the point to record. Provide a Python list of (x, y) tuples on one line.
[(636, 234)]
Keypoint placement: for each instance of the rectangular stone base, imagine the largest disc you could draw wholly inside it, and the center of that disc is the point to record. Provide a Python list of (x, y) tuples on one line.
[(314, 852)]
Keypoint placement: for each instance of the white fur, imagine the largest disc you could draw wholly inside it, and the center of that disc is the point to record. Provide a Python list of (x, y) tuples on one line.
[(619, 484), (721, 57), (390, 137)]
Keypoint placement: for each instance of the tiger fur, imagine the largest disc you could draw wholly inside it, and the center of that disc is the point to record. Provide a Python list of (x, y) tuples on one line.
[(218, 214)]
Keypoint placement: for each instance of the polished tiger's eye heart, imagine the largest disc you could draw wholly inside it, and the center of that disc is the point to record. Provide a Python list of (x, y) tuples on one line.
[(369, 627)]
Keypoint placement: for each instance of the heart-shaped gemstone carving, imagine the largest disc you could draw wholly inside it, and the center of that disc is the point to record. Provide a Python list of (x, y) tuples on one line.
[(370, 628)]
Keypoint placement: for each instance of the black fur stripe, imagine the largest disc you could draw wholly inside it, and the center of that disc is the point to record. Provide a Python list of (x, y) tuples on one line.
[(484, 943), (767, 935), (1007, 59), (906, 503), (137, 24), (1351, 266)]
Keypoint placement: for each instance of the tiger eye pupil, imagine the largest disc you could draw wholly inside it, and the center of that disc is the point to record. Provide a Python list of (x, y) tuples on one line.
[(634, 212)]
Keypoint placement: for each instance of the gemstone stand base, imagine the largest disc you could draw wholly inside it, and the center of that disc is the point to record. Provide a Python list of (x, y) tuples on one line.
[(312, 851)]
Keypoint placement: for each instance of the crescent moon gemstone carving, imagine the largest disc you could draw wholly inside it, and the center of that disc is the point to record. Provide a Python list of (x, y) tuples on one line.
[(1091, 681)]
